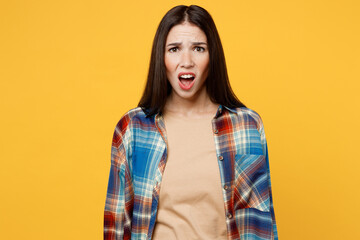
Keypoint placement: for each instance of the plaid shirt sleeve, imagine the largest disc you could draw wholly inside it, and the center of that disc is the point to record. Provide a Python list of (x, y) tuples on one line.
[(119, 199), (274, 234)]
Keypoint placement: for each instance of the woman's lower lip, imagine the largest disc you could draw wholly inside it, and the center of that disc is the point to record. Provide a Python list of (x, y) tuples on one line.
[(186, 86)]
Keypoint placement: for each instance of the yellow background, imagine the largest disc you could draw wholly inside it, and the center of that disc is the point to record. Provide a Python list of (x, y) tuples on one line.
[(70, 69)]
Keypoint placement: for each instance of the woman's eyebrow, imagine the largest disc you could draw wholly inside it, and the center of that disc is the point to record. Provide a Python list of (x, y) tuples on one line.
[(179, 43), (174, 44), (199, 43)]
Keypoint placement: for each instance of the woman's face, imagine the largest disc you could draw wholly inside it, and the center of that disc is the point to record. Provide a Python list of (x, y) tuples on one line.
[(187, 60)]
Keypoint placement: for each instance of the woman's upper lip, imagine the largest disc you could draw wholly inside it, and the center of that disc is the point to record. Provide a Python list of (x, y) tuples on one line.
[(186, 73)]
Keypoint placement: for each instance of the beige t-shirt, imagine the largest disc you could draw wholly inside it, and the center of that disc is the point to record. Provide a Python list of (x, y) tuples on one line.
[(191, 204)]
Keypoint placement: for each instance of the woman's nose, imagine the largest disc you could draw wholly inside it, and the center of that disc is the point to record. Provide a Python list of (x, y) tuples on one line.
[(186, 59)]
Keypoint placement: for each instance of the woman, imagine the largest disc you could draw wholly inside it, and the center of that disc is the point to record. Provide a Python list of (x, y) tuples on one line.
[(190, 162)]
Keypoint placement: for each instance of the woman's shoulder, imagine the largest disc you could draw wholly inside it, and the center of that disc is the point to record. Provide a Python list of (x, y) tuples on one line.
[(134, 116), (134, 113), (250, 115), (247, 111)]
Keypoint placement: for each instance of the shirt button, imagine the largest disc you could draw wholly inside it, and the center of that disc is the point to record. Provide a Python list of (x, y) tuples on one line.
[(229, 215), (216, 131), (226, 187), (221, 158)]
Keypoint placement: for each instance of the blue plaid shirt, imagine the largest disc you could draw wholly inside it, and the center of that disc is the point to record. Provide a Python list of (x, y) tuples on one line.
[(138, 159)]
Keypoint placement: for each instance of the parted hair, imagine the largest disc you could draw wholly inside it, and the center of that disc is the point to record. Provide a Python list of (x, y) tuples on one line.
[(158, 88)]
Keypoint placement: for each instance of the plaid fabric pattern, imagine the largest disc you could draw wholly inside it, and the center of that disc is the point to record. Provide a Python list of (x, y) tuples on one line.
[(138, 158)]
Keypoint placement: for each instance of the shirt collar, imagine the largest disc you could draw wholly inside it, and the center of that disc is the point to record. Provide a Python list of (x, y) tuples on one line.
[(221, 109)]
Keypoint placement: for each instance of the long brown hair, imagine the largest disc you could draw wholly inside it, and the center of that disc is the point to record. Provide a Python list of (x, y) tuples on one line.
[(158, 88)]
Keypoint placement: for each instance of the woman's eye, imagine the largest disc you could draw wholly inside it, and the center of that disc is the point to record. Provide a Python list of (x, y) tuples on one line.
[(174, 49), (199, 49)]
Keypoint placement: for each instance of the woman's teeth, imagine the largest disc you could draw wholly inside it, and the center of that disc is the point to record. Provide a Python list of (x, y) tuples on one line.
[(187, 76)]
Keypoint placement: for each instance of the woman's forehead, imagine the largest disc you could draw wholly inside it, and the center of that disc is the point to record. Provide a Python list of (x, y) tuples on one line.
[(186, 31)]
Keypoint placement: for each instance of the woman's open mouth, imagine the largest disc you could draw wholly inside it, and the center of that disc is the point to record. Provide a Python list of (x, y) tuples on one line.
[(186, 80)]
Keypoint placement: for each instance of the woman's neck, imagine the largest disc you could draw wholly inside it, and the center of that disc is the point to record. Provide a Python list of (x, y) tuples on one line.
[(198, 107)]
